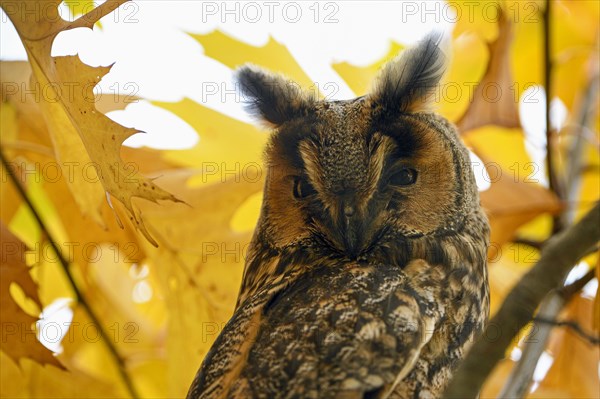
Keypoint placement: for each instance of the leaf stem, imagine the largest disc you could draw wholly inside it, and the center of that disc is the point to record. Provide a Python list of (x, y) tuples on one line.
[(65, 266)]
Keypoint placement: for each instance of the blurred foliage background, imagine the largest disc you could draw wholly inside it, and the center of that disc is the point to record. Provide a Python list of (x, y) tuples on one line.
[(152, 241)]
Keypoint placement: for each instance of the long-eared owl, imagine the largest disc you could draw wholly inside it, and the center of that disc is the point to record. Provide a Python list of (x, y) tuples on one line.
[(366, 275)]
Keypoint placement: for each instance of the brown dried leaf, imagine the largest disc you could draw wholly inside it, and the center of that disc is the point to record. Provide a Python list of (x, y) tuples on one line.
[(493, 100), (511, 203), (18, 337)]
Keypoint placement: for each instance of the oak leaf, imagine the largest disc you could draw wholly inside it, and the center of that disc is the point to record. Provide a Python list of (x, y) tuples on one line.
[(83, 137), (493, 100)]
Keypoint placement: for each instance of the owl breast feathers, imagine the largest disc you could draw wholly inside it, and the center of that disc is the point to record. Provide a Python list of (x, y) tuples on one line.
[(366, 276)]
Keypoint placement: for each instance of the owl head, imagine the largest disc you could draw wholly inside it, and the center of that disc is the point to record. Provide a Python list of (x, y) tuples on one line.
[(350, 176)]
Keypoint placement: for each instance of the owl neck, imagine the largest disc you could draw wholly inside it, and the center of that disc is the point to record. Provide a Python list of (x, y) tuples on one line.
[(454, 245)]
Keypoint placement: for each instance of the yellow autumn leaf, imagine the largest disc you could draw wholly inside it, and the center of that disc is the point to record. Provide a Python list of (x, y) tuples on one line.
[(360, 78), (33, 380), (226, 147), (515, 197), (199, 265), (477, 17), (83, 137), (272, 55), (9, 129)]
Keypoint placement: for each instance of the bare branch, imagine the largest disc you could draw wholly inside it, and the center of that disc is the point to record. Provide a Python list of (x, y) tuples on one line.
[(575, 166), (521, 376)]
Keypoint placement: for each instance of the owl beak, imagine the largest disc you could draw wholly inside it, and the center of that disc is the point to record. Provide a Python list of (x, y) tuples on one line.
[(352, 231)]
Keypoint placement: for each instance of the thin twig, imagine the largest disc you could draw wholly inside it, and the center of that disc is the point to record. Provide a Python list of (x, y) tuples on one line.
[(530, 243), (573, 325), (575, 166), (65, 266), (539, 245), (553, 182), (568, 291), (521, 377), (558, 256)]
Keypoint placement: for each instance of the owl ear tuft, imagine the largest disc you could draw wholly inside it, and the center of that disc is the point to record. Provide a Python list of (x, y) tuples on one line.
[(406, 83), (271, 97)]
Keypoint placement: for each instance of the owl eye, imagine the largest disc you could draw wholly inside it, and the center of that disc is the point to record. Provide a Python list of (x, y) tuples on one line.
[(302, 188), (405, 177)]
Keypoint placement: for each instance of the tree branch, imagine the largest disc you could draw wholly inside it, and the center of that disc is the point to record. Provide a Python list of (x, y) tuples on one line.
[(559, 254), (521, 376), (575, 166), (65, 266)]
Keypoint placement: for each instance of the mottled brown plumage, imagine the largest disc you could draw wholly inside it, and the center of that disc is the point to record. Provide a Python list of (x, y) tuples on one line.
[(366, 276)]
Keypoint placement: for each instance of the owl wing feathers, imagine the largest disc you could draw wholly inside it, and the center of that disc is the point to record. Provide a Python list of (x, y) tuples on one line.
[(337, 330), (222, 363)]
